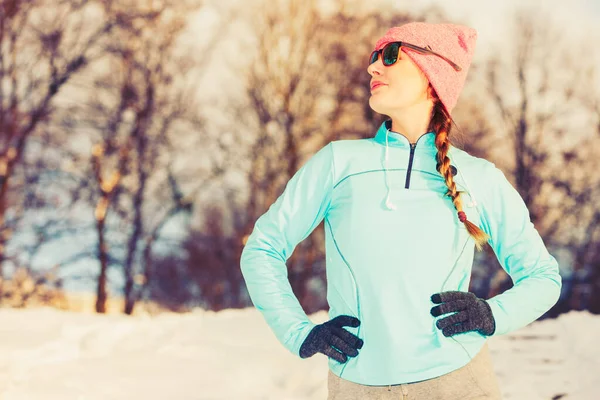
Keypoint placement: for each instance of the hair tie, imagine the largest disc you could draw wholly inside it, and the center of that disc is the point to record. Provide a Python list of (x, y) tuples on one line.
[(462, 216)]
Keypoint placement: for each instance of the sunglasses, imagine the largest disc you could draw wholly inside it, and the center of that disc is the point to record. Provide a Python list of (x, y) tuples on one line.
[(390, 52)]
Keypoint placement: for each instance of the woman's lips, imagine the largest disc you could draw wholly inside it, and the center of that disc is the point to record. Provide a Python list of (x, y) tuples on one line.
[(376, 86)]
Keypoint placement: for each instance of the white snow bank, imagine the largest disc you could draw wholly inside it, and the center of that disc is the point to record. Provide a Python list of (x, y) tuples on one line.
[(51, 354)]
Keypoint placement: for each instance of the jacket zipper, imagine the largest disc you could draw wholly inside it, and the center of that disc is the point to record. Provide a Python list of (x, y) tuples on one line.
[(410, 162)]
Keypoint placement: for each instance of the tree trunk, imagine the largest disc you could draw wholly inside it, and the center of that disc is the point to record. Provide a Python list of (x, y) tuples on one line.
[(101, 296), (130, 297)]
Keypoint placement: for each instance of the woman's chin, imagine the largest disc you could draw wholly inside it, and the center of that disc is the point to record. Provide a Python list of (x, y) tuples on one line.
[(375, 106)]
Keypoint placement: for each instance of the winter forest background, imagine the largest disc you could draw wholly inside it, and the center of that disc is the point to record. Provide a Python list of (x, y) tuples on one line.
[(140, 140)]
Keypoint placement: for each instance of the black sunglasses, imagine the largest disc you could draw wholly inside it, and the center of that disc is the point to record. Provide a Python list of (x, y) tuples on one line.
[(391, 50)]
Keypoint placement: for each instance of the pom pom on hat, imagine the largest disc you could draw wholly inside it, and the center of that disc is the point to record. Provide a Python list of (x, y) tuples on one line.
[(456, 42)]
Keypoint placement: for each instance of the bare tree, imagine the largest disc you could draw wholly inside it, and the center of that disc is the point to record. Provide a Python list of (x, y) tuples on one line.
[(538, 105), (534, 120), (134, 105), (43, 45), (583, 194), (153, 101)]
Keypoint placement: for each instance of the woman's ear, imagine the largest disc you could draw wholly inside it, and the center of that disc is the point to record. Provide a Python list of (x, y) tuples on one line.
[(430, 92)]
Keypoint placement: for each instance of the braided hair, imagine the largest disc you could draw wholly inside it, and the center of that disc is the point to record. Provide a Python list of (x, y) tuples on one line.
[(441, 124)]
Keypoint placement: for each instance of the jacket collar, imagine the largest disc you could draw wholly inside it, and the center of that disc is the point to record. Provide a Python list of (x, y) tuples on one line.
[(394, 139)]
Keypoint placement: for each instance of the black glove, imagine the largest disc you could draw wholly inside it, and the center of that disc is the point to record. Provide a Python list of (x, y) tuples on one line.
[(322, 337), (474, 314)]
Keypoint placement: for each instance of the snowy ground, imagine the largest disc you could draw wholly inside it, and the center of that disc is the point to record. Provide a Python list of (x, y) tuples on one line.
[(50, 354)]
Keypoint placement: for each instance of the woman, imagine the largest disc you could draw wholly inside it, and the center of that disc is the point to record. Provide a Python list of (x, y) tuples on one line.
[(404, 211)]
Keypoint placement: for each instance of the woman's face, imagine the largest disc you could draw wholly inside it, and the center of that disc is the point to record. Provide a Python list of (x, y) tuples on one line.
[(404, 85)]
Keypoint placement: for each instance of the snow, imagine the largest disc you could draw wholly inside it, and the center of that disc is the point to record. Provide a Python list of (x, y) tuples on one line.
[(47, 353)]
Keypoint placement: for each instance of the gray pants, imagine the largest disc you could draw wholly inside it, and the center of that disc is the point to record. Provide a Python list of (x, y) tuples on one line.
[(476, 380)]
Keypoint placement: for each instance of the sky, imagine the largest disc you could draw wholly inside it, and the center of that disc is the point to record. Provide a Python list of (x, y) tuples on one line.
[(491, 17)]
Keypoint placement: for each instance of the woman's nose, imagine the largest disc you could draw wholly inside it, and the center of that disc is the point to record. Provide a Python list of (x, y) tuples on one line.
[(375, 67)]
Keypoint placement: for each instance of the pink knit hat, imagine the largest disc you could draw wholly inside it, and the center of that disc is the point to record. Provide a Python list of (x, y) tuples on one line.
[(456, 42)]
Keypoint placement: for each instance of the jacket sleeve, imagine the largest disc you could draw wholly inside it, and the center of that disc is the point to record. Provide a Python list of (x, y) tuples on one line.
[(289, 220), (521, 253)]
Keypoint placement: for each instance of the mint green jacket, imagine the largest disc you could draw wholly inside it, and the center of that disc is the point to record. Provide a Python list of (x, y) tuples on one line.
[(392, 239)]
